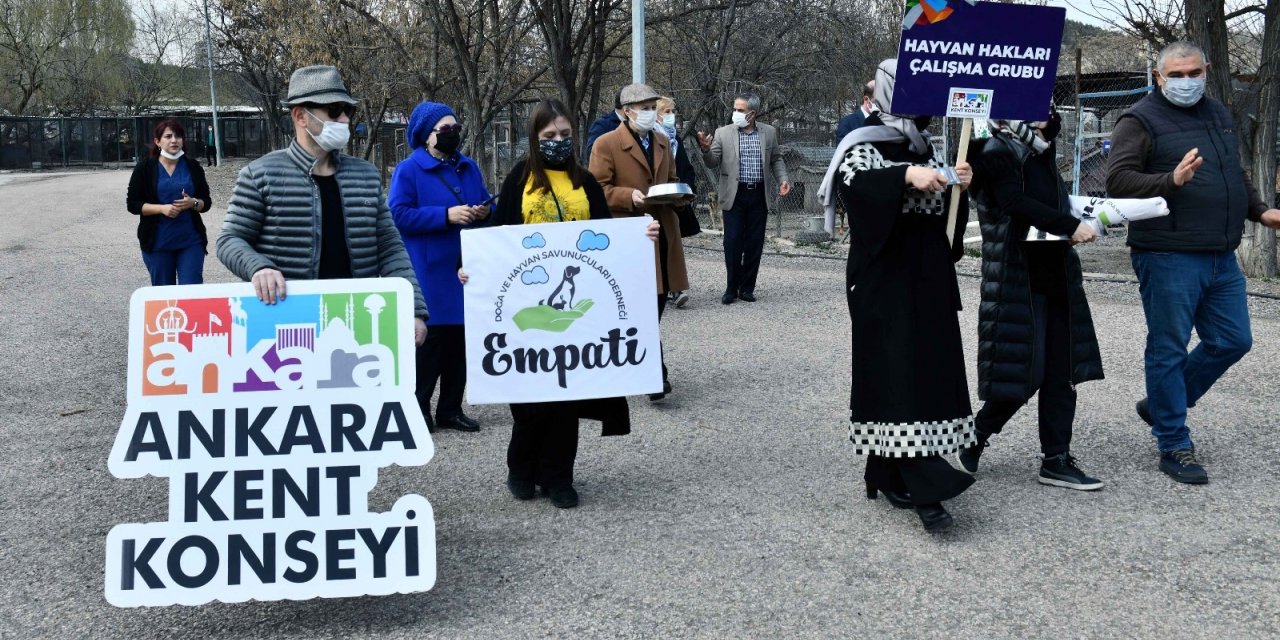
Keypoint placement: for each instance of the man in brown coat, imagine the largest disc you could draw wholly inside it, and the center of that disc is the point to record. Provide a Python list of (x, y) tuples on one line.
[(626, 162)]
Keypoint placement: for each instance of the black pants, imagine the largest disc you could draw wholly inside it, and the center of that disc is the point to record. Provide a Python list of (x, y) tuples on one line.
[(1050, 375), (442, 357), (662, 306), (544, 443), (210, 155), (744, 225)]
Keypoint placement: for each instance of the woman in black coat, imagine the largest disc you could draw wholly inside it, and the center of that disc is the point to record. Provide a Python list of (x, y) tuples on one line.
[(547, 187), (1035, 332), (909, 399), (167, 192)]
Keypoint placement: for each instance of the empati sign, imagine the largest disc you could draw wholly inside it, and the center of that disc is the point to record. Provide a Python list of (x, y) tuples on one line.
[(271, 423), (561, 311)]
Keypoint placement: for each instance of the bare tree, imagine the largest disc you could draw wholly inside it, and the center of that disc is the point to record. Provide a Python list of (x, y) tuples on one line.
[(495, 60), (46, 42)]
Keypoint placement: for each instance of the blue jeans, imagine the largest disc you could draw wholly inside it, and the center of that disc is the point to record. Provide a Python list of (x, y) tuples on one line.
[(1181, 291), (187, 264)]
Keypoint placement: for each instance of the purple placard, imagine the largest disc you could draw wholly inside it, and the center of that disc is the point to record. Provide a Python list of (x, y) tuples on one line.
[(953, 52)]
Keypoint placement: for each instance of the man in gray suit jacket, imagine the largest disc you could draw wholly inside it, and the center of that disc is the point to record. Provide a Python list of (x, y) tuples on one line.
[(751, 168)]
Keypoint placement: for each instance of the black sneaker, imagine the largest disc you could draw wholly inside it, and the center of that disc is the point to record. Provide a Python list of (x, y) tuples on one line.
[(1181, 465), (967, 457), (1061, 471), (1144, 413)]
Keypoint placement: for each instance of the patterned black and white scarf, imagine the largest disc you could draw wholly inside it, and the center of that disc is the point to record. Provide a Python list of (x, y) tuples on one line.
[(1027, 133)]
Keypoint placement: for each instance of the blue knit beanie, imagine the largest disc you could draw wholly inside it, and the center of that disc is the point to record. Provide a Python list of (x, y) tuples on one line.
[(424, 119)]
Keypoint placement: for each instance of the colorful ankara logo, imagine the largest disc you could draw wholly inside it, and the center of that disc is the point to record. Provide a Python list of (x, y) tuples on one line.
[(969, 103), (923, 12), (226, 345)]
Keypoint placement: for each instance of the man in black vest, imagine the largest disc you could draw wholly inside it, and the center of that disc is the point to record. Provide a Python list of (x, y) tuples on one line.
[(1181, 145)]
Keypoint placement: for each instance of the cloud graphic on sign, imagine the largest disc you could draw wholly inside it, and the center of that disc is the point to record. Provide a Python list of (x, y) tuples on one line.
[(536, 275), (535, 241), (592, 241)]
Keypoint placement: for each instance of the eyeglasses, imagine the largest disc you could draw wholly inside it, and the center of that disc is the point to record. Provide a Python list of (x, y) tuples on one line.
[(448, 128), (335, 110)]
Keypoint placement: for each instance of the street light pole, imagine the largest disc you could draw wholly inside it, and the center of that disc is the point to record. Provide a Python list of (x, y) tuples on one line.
[(213, 91), (637, 41)]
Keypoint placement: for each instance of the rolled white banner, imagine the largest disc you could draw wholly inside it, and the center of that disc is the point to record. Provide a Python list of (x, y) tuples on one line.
[(1101, 212)]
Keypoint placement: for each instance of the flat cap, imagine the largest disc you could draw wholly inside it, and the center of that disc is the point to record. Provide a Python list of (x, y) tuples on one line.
[(634, 93)]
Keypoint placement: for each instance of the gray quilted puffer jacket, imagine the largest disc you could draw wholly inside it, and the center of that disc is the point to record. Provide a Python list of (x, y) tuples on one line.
[(273, 221)]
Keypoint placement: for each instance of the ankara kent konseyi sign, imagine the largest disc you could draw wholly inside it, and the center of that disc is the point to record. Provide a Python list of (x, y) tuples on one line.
[(271, 423), (960, 58)]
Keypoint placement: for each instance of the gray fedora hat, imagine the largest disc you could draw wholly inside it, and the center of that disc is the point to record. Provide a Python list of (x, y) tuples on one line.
[(320, 84), (634, 93)]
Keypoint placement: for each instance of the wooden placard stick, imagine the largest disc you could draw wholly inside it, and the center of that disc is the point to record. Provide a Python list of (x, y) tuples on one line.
[(962, 154)]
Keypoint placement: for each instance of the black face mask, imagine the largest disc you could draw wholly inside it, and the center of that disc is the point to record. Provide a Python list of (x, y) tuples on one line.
[(556, 152), (447, 142)]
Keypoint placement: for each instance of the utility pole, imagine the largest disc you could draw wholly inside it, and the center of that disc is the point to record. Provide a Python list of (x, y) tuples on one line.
[(637, 41), (213, 92)]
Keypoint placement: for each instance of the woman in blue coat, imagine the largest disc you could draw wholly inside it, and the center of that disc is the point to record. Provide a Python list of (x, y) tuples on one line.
[(435, 194)]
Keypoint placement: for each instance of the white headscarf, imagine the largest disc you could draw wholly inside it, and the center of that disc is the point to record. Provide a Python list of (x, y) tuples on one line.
[(885, 78)]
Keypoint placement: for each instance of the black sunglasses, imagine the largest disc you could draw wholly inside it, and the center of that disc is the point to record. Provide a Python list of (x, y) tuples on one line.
[(335, 110), (448, 128)]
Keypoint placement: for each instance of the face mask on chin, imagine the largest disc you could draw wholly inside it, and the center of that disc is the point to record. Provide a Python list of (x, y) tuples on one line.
[(332, 137), (1184, 92), (172, 156)]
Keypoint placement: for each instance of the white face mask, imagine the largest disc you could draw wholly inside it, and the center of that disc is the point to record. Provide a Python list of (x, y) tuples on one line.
[(172, 156), (739, 119), (333, 136), (645, 120), (669, 120)]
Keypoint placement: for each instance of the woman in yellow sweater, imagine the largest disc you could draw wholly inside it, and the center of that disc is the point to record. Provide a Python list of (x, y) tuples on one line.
[(550, 186)]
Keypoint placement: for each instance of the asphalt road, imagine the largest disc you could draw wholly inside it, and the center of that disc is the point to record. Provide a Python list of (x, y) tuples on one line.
[(734, 510)]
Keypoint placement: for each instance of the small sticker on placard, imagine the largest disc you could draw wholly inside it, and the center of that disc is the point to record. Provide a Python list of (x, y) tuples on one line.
[(969, 103)]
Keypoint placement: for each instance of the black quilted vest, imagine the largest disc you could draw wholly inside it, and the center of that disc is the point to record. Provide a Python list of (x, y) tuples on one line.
[(1005, 320), (1207, 213)]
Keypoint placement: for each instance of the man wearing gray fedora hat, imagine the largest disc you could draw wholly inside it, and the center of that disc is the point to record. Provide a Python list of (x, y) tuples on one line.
[(309, 211)]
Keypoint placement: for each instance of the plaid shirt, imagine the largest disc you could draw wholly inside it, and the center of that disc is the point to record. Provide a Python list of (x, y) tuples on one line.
[(750, 161)]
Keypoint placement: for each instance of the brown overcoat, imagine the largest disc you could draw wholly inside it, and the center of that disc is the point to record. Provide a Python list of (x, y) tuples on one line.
[(619, 165)]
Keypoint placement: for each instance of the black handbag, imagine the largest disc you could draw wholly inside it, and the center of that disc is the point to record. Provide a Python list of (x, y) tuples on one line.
[(688, 221)]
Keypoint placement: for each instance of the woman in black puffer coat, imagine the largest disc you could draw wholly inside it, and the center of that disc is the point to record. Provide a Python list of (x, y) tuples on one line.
[(1035, 332)]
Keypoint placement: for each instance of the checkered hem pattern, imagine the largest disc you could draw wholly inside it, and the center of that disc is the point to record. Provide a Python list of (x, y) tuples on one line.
[(911, 439)]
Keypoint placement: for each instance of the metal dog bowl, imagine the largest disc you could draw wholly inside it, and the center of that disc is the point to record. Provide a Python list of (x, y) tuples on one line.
[(669, 193)]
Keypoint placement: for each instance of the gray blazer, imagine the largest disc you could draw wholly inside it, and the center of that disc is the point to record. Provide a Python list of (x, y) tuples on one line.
[(724, 154), (273, 221)]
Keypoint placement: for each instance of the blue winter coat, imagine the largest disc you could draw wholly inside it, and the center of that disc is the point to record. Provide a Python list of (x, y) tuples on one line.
[(419, 201)]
